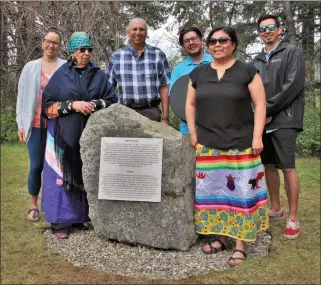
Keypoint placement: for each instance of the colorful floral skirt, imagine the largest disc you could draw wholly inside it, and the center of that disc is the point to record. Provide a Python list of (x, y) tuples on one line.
[(231, 196)]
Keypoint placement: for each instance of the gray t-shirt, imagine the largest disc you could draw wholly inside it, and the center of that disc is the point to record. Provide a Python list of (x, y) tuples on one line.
[(223, 107)]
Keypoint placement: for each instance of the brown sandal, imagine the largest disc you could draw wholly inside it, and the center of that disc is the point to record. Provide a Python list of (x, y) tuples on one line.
[(237, 260), (213, 249)]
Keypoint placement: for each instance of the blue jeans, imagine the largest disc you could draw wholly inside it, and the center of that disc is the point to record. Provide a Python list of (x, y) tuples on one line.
[(36, 147)]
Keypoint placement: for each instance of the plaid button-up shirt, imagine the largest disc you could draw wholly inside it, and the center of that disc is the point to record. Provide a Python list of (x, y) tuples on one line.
[(138, 78)]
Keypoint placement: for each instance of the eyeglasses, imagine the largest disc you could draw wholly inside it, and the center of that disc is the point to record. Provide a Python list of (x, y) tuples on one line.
[(221, 41), (271, 28), (49, 42), (193, 40), (83, 49)]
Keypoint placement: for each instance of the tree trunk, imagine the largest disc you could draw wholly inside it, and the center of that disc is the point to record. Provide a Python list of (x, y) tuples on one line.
[(231, 14), (211, 15), (3, 40), (291, 35), (308, 32), (308, 47), (3, 51)]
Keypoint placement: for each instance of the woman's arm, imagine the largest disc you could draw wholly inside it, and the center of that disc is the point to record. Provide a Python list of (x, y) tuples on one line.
[(257, 92), (105, 94), (20, 99), (190, 113), (63, 108)]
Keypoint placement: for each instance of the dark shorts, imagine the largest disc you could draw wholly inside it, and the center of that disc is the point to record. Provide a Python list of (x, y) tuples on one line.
[(279, 148)]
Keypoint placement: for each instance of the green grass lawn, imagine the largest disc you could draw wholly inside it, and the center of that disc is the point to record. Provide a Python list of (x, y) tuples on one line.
[(25, 259)]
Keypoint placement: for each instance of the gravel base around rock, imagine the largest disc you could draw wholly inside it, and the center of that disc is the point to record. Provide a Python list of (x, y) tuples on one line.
[(87, 249)]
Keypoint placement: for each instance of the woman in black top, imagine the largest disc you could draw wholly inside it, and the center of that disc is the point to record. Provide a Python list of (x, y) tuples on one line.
[(231, 197)]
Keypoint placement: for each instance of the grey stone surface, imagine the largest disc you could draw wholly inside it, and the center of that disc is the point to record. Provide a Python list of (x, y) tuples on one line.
[(87, 249), (168, 224)]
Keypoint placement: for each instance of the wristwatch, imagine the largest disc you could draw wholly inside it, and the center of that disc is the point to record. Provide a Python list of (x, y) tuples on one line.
[(165, 118)]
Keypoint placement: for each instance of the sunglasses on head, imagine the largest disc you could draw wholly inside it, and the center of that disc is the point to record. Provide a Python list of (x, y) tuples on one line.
[(221, 41), (83, 49), (271, 28)]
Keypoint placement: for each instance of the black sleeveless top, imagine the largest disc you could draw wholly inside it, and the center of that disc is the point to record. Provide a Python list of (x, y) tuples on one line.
[(223, 107)]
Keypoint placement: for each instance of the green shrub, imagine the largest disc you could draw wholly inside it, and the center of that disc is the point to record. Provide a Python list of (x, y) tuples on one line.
[(174, 121), (308, 143), (8, 125)]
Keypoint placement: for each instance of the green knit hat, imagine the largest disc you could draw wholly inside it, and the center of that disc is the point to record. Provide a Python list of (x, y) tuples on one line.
[(78, 40)]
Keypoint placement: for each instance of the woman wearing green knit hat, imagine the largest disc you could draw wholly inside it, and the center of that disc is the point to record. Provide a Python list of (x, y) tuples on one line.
[(80, 47), (76, 90)]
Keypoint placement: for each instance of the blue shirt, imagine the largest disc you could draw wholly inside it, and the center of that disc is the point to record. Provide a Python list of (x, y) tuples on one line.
[(138, 78), (268, 54), (185, 67)]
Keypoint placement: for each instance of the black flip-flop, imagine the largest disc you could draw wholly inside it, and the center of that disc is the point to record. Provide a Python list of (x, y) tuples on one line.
[(35, 215)]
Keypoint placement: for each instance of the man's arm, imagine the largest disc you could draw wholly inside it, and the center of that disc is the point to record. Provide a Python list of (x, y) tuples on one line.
[(163, 92), (164, 76), (293, 85)]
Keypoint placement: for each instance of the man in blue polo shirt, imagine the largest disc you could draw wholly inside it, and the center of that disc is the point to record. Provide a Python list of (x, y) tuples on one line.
[(191, 41)]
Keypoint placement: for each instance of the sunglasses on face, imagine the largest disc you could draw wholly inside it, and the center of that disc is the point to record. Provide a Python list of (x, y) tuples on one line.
[(221, 41), (271, 28), (83, 49)]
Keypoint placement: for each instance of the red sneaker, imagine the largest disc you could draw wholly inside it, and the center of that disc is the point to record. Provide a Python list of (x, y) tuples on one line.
[(292, 229)]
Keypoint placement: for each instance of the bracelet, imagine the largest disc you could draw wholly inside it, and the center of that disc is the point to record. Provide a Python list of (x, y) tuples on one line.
[(98, 104), (65, 108), (165, 118)]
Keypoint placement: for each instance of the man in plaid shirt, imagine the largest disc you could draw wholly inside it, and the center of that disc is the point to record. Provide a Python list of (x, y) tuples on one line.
[(141, 74)]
